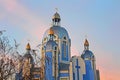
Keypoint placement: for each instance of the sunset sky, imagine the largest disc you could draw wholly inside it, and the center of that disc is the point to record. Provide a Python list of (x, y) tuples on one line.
[(26, 20)]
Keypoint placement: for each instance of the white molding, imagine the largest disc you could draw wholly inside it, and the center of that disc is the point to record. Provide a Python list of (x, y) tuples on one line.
[(64, 77), (64, 71)]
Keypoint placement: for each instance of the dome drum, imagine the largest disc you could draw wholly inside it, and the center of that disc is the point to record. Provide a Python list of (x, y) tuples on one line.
[(87, 54), (60, 32)]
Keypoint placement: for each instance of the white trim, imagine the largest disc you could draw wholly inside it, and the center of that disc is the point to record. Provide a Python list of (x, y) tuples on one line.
[(64, 71), (64, 77)]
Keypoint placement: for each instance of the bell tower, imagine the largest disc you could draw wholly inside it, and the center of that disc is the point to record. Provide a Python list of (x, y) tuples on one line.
[(56, 19)]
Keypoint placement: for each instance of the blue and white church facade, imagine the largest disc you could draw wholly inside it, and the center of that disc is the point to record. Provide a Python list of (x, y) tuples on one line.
[(56, 53), (56, 60)]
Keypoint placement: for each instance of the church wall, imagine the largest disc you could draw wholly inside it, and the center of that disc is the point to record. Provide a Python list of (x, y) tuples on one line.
[(89, 71), (64, 74), (48, 66), (71, 71), (78, 68)]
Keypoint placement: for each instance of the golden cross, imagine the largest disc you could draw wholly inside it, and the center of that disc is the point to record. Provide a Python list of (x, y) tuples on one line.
[(86, 36), (56, 9)]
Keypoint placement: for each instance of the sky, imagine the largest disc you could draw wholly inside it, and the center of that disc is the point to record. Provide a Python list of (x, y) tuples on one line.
[(27, 20)]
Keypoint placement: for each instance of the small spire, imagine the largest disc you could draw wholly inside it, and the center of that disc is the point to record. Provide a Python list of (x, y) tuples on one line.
[(28, 47), (56, 18), (56, 9), (86, 44)]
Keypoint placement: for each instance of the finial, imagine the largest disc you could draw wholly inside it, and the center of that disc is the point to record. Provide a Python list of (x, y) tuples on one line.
[(28, 46), (86, 43), (56, 9)]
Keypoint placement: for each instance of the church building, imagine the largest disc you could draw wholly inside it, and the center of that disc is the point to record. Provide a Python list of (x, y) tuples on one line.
[(56, 51), (57, 62)]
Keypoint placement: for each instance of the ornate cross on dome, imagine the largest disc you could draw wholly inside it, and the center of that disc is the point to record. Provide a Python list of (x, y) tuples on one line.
[(77, 67), (56, 9), (86, 36)]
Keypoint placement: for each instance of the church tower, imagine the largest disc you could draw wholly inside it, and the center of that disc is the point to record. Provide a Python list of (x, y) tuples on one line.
[(28, 64), (90, 64), (61, 39), (51, 58)]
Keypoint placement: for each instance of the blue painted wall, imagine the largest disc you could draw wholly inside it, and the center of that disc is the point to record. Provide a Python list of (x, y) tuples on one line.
[(63, 74), (89, 71), (48, 66)]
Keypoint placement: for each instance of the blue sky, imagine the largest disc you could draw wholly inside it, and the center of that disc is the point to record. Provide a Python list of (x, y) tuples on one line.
[(26, 20)]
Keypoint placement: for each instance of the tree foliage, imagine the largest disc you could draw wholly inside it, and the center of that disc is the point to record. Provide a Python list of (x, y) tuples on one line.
[(8, 57)]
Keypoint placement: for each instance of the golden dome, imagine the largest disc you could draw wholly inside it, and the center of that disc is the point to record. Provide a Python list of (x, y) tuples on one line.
[(50, 32), (86, 43), (56, 16), (28, 47)]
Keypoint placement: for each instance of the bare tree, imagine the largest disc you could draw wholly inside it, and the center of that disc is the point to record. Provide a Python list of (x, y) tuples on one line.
[(7, 58)]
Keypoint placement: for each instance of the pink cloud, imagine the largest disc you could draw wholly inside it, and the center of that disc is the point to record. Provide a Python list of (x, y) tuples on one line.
[(32, 24)]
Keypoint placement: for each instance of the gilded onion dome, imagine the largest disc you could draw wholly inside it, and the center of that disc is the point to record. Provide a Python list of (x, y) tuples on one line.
[(56, 17), (86, 43), (28, 47), (50, 32)]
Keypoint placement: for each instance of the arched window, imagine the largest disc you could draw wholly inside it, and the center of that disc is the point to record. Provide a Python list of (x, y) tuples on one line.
[(55, 48), (64, 38), (55, 59), (64, 47)]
